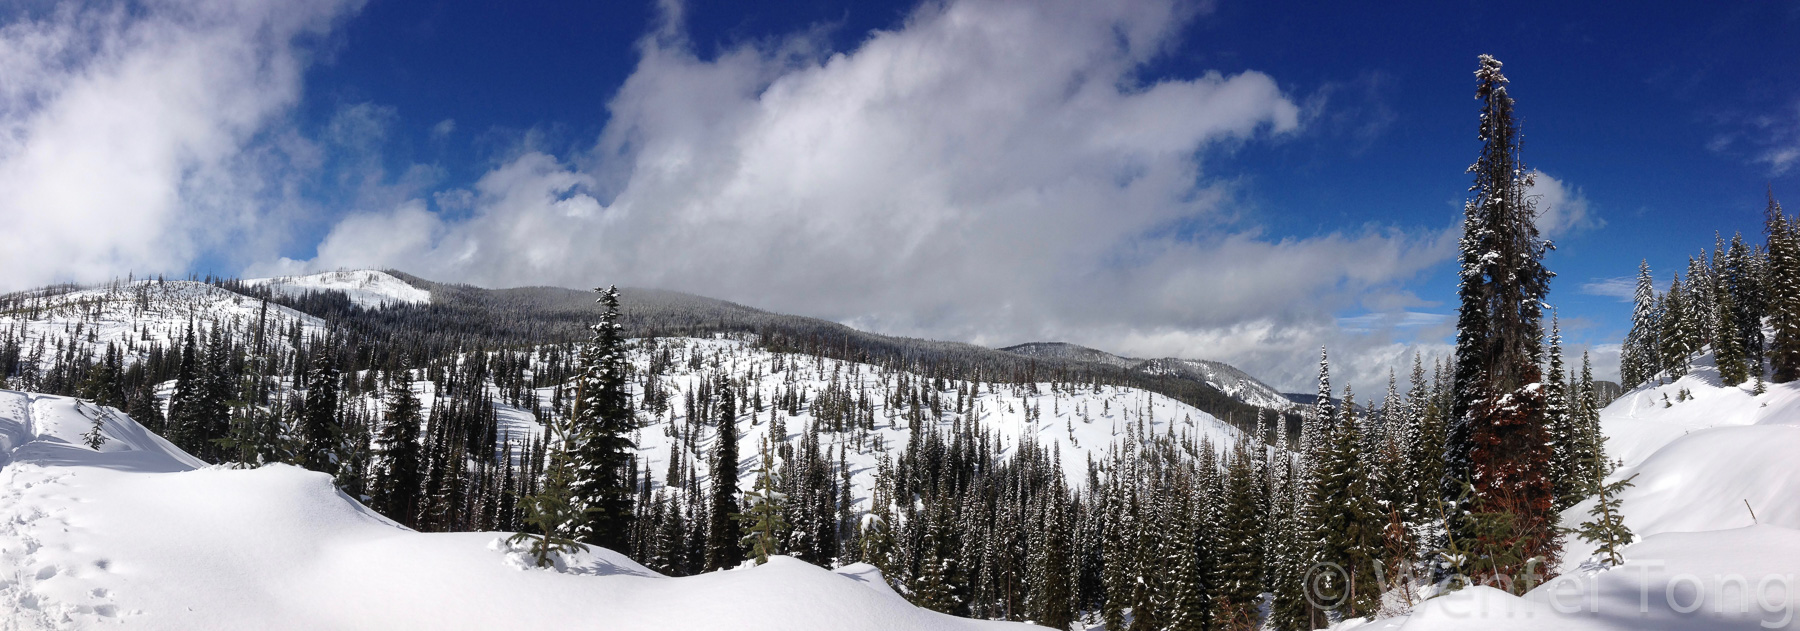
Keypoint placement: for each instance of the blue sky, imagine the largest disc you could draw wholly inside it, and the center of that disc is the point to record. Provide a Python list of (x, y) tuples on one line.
[(1327, 136)]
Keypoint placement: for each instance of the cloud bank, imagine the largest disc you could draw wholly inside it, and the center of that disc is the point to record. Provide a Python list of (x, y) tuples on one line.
[(138, 135), (989, 171)]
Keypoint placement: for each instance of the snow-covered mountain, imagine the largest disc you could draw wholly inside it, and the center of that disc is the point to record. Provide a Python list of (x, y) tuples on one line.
[(369, 289), (1224, 377), (137, 534)]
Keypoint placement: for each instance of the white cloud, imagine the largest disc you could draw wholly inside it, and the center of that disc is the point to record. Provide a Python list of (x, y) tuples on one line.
[(1562, 209), (135, 136), (990, 171), (1623, 288)]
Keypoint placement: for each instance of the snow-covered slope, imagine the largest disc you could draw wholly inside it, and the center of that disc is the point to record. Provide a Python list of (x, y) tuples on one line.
[(135, 315), (1078, 421), (369, 289), (137, 535), (1701, 561), (1224, 377)]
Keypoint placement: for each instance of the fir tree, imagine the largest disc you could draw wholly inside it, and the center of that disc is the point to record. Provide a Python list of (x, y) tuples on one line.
[(1639, 356), (724, 535), (399, 476), (1607, 528), (1783, 289), (1497, 438), (554, 511), (318, 418), (602, 421), (1728, 349), (764, 518)]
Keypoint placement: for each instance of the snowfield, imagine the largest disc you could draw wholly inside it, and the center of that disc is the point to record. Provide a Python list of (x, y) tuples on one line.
[(140, 535), (1701, 561), (369, 289)]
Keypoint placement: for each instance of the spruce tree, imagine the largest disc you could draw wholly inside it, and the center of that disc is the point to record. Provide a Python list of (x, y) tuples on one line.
[(554, 512), (763, 517), (1783, 289), (1728, 350), (318, 417), (722, 551), (1607, 528), (1639, 355), (399, 476), (1564, 427), (602, 421), (1497, 439), (1350, 531), (1677, 334)]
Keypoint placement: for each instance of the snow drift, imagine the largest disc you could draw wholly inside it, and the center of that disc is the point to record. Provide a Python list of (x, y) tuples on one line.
[(138, 534)]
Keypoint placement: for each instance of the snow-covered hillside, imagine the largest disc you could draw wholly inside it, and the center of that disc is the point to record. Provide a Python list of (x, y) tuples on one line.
[(1224, 377), (138, 535), (369, 289), (136, 315), (1703, 465), (1078, 422)]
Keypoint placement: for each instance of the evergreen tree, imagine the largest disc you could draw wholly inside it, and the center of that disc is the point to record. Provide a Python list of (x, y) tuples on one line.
[(1639, 355), (724, 534), (1350, 531), (1783, 289), (1497, 439), (602, 421), (399, 476), (318, 418), (1569, 444), (1677, 334), (1607, 528), (553, 511), (1728, 349), (764, 518)]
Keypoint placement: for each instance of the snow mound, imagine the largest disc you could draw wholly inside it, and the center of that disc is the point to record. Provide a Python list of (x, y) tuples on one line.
[(369, 289), (138, 534)]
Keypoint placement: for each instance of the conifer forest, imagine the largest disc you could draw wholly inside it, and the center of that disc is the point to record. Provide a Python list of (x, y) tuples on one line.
[(621, 432)]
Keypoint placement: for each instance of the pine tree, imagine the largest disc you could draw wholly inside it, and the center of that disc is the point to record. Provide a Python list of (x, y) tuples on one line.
[(554, 511), (1677, 334), (318, 417), (1240, 541), (1564, 428), (1783, 282), (1728, 350), (764, 518), (1607, 528), (1497, 439), (1350, 531), (724, 535), (399, 476), (1639, 356), (602, 422)]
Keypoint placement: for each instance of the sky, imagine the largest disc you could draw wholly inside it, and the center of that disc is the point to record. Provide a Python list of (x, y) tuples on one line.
[(1230, 180)]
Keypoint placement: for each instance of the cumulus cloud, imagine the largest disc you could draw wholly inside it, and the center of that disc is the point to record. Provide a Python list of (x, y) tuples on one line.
[(1562, 208), (989, 171), (139, 135)]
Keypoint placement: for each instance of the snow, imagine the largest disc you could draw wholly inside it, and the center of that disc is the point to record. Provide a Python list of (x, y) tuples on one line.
[(369, 289), (1701, 561), (138, 535), (1079, 423), (135, 315)]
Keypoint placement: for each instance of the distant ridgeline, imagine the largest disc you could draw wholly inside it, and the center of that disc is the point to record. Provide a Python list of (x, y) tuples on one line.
[(463, 318)]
